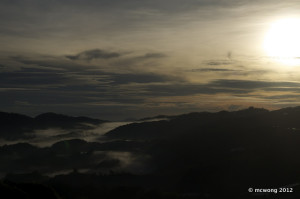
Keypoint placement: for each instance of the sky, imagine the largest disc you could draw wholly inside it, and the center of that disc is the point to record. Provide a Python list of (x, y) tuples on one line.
[(116, 59)]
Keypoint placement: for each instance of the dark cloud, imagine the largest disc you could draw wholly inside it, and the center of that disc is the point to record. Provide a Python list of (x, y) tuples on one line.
[(43, 97), (41, 84), (190, 89), (45, 63), (215, 70), (39, 71), (284, 89), (28, 61), (53, 87), (168, 86), (70, 82), (24, 78), (34, 19), (279, 97), (139, 60), (141, 78), (94, 54), (251, 84), (81, 20), (107, 97), (153, 55), (119, 87), (218, 62), (166, 5), (60, 63), (242, 72), (221, 86)]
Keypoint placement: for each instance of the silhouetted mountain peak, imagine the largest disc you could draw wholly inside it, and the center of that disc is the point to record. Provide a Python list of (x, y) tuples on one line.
[(54, 118), (15, 126), (252, 110), (17, 148), (14, 118), (51, 115), (288, 110), (73, 142), (155, 117)]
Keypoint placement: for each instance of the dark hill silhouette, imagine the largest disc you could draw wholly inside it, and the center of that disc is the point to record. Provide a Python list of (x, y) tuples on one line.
[(223, 150), (58, 120), (16, 126), (195, 155), (13, 126), (186, 122), (27, 191), (8, 119), (156, 117), (33, 177), (64, 155), (24, 148)]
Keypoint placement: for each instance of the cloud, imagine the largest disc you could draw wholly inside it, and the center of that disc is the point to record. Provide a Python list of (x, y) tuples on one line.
[(141, 78), (24, 78), (48, 63), (215, 70), (55, 83), (279, 97), (252, 84), (230, 68), (188, 89), (94, 54), (218, 62), (117, 62), (153, 55), (230, 86), (39, 71)]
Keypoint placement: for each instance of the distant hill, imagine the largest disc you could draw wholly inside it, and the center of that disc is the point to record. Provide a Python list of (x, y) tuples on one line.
[(195, 155), (63, 155), (156, 117), (287, 118), (15, 126), (183, 123), (58, 120), (248, 148)]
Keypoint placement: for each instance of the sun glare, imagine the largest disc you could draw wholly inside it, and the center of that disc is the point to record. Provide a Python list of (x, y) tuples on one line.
[(282, 41)]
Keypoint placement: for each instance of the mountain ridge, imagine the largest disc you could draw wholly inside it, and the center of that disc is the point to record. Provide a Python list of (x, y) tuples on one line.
[(14, 126)]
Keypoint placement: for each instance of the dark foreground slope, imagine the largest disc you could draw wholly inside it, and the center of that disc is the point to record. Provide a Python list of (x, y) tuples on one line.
[(224, 152), (197, 155)]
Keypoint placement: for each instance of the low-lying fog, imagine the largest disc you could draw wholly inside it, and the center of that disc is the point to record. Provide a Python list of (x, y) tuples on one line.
[(51, 155), (47, 137)]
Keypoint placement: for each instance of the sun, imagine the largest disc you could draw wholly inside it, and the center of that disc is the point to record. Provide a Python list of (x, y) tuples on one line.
[(282, 41)]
